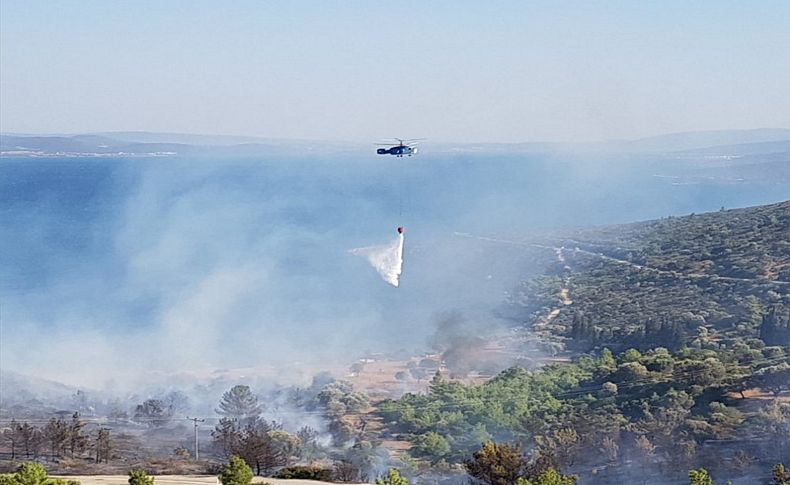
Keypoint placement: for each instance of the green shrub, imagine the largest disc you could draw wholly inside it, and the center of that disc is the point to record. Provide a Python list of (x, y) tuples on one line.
[(431, 445), (306, 473), (549, 477), (393, 477), (31, 473), (700, 477), (140, 477), (236, 472)]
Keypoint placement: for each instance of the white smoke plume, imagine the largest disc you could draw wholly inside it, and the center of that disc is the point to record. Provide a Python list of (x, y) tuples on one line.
[(386, 259)]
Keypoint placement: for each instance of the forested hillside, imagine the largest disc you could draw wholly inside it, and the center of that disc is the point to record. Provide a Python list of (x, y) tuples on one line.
[(679, 336), (719, 277), (750, 243), (614, 416)]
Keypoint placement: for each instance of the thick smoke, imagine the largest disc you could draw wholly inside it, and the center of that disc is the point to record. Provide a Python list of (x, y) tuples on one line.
[(149, 272), (468, 346), (387, 259)]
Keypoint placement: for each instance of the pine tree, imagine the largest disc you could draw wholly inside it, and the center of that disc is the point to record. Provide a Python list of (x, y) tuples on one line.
[(27, 436), (56, 432), (775, 326), (78, 441), (496, 463), (103, 445), (241, 404), (226, 436)]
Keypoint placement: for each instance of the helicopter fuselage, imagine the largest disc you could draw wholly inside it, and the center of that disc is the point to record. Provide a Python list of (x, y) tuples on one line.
[(398, 151)]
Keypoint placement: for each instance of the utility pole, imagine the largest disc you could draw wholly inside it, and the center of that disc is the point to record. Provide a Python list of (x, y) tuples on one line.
[(196, 421)]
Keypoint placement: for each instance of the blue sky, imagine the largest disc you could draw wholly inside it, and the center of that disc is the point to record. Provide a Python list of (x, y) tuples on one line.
[(483, 71)]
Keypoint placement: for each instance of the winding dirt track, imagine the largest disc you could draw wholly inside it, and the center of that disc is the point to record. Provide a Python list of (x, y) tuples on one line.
[(675, 274)]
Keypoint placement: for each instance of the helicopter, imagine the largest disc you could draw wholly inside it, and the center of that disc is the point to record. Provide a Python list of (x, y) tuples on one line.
[(404, 147)]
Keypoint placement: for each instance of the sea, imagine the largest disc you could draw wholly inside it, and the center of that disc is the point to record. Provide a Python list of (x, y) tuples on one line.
[(238, 261)]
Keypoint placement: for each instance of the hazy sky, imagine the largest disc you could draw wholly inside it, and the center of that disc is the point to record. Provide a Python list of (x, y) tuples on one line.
[(484, 71)]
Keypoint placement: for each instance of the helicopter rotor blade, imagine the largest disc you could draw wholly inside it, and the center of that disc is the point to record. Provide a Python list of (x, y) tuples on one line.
[(400, 141)]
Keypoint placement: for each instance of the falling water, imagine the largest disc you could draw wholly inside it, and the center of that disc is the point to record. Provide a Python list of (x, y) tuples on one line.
[(386, 259)]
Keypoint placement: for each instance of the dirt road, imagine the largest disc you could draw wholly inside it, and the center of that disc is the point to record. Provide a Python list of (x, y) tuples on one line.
[(675, 274)]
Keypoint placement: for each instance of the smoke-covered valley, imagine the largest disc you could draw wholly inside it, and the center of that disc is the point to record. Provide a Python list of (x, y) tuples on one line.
[(138, 290), (133, 270)]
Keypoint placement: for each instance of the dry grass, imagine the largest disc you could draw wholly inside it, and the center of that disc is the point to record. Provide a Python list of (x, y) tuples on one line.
[(377, 380)]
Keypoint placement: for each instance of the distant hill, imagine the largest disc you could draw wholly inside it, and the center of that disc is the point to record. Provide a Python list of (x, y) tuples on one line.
[(31, 391), (764, 140), (128, 144), (739, 150), (741, 243), (667, 282), (706, 139), (178, 138), (727, 142)]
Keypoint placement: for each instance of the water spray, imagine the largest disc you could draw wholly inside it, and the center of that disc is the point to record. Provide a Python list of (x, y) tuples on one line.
[(386, 259)]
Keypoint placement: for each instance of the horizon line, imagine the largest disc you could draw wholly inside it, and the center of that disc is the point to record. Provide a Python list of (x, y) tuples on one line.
[(346, 140)]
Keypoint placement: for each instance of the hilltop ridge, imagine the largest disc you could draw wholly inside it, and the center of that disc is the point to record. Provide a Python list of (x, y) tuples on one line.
[(716, 273)]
